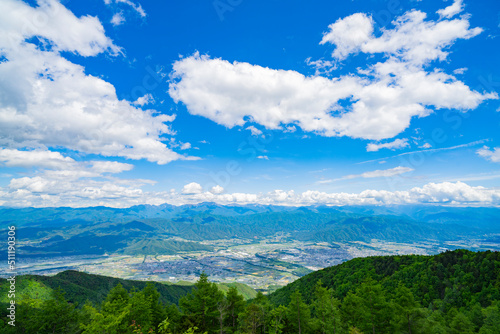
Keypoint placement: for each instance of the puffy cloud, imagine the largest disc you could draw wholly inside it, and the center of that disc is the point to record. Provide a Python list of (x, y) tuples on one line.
[(322, 66), (217, 189), (225, 93), (454, 193), (34, 158), (254, 130), (59, 164), (413, 39), (55, 24), (433, 193), (47, 101), (110, 167), (192, 188), (491, 155), (393, 145), (381, 108), (185, 146), (381, 173), (67, 182), (49, 191), (451, 10), (117, 19), (349, 34), (377, 103), (143, 100), (263, 157), (57, 190)]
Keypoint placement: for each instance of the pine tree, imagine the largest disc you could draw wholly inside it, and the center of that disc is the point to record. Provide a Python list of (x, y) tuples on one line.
[(370, 309), (140, 311), (56, 315), (326, 309), (408, 311), (251, 319), (158, 312), (235, 305), (200, 306), (264, 305), (299, 314), (277, 319)]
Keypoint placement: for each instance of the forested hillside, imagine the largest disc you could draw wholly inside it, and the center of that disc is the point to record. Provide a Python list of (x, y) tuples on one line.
[(453, 292), (459, 276), (80, 287)]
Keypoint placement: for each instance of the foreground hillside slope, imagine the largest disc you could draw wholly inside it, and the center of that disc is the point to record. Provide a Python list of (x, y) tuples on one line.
[(79, 287), (459, 277), (454, 292)]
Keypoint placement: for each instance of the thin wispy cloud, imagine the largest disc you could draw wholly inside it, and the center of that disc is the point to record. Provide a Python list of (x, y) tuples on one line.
[(371, 174), (433, 150)]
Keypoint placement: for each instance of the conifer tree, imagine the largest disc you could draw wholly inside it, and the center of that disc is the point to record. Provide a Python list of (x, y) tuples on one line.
[(277, 319), (326, 309), (299, 314), (235, 305), (200, 306)]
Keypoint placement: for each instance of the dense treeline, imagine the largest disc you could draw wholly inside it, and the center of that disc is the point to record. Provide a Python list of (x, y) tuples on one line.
[(457, 278), (454, 292)]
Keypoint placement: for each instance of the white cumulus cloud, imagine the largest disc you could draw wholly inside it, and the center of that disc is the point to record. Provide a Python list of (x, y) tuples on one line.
[(34, 158), (451, 10), (185, 146), (393, 145), (217, 189), (492, 155), (349, 34), (47, 101), (254, 130), (377, 103), (48, 190), (413, 38), (192, 188), (143, 100)]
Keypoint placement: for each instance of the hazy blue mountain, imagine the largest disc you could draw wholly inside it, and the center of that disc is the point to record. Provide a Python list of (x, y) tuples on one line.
[(99, 230)]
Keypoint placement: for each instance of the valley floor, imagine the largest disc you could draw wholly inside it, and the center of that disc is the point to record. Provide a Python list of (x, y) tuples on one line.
[(265, 264)]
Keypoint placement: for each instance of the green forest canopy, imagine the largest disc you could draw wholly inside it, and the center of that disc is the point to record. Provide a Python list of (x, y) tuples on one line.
[(453, 292)]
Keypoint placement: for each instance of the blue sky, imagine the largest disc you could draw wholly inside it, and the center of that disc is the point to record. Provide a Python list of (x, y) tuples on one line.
[(121, 102)]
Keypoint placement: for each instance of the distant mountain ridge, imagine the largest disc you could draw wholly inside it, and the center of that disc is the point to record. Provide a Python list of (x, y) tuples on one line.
[(168, 229), (167, 211)]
